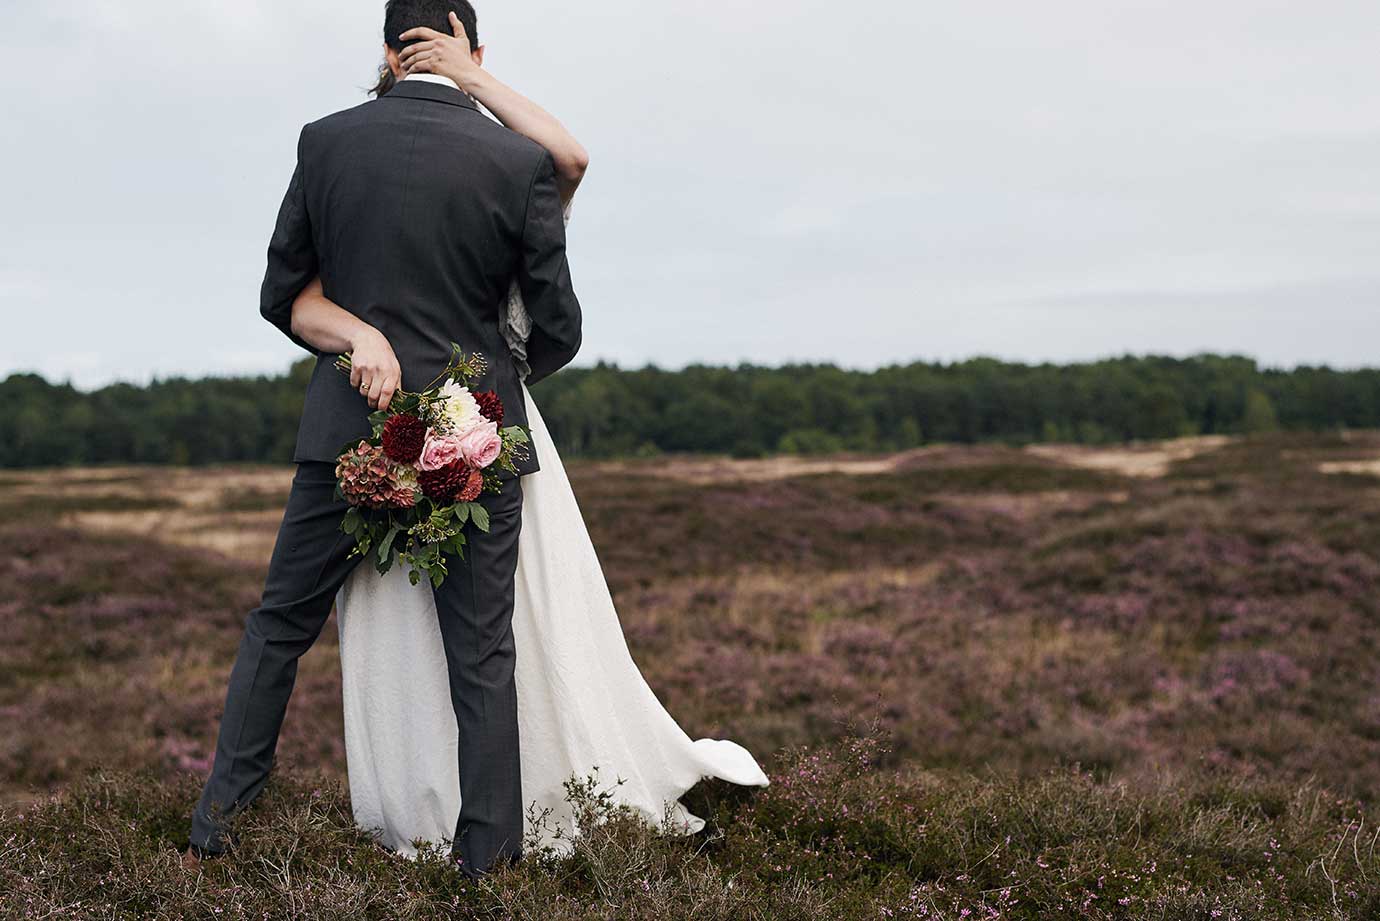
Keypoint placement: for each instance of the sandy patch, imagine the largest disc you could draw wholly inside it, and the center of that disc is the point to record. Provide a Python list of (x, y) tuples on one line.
[(1363, 468), (1025, 506), (246, 536), (711, 470), (1147, 461), (203, 513)]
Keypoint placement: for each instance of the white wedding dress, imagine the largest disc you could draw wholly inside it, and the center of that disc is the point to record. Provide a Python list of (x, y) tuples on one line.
[(582, 703)]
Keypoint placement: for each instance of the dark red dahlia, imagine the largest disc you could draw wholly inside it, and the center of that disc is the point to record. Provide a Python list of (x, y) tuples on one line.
[(474, 485), (445, 483), (490, 406), (403, 437)]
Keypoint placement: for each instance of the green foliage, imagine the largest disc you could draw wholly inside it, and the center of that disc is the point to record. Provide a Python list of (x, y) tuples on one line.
[(745, 411), (1260, 415)]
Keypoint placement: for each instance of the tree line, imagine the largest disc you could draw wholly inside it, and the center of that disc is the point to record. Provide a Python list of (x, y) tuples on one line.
[(747, 410)]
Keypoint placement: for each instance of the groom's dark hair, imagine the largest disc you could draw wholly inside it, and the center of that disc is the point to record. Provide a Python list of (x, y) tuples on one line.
[(401, 15)]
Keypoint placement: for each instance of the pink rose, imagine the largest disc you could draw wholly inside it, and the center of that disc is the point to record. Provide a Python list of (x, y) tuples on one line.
[(439, 450), (481, 445)]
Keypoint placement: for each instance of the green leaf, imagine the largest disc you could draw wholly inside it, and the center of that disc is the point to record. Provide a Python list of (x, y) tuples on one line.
[(517, 433), (462, 513), (352, 522), (480, 515), (454, 545), (386, 545)]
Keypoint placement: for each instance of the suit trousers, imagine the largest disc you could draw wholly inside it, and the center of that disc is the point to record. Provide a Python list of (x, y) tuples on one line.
[(474, 605)]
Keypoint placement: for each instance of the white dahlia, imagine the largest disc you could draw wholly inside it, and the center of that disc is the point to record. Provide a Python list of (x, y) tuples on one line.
[(461, 411)]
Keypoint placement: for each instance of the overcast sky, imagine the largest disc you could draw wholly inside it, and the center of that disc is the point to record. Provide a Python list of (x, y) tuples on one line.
[(864, 182)]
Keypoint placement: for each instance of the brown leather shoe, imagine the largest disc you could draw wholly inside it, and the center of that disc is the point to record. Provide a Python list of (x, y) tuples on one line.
[(191, 861)]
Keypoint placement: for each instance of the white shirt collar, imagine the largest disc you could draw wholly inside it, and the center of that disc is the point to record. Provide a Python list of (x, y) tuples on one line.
[(434, 78)]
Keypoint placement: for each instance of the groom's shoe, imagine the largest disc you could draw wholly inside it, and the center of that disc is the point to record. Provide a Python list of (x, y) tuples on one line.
[(503, 862), (194, 856)]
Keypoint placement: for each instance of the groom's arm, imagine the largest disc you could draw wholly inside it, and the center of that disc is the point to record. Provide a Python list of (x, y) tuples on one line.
[(544, 278), (292, 261)]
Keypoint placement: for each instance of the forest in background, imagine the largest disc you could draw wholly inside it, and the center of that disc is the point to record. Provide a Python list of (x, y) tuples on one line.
[(747, 410)]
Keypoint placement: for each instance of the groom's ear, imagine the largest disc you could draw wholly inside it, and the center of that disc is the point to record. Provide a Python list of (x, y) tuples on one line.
[(390, 57), (478, 55)]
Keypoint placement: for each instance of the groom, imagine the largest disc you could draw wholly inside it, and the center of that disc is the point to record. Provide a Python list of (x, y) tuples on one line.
[(416, 212)]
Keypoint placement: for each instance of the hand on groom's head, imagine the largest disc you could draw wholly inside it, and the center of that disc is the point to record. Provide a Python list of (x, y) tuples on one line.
[(433, 52)]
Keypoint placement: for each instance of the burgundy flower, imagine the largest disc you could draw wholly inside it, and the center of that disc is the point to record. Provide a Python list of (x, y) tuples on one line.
[(445, 483), (490, 406), (403, 437)]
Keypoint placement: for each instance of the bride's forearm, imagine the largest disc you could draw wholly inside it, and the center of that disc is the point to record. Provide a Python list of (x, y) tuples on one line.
[(324, 324), (527, 118), (320, 321)]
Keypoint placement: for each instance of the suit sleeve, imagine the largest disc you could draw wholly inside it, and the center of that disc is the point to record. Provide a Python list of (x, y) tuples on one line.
[(292, 259), (544, 278)]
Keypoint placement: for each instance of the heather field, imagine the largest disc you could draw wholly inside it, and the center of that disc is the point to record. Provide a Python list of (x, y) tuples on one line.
[(988, 682)]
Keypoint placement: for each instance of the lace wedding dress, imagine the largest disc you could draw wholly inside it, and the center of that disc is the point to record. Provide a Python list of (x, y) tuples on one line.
[(582, 703)]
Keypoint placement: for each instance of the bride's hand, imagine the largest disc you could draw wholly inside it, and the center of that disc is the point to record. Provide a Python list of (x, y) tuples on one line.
[(445, 55), (374, 369)]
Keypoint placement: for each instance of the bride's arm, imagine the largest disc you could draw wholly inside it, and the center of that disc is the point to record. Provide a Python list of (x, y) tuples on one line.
[(327, 326), (450, 56)]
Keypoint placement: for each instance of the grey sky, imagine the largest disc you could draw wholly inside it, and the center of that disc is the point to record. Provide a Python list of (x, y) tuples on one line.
[(863, 182)]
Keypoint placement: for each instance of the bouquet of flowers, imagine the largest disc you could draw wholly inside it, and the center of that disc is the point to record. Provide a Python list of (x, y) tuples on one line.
[(412, 485)]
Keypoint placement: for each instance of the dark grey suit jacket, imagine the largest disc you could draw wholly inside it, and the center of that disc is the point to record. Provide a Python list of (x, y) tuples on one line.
[(418, 211)]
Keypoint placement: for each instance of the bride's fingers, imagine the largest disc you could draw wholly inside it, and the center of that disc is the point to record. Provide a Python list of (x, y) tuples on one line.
[(412, 51), (458, 27), (421, 65), (420, 58), (421, 32), (390, 387)]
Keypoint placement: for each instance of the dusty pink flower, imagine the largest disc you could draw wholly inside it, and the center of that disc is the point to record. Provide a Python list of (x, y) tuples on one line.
[(368, 479), (440, 451), (481, 445)]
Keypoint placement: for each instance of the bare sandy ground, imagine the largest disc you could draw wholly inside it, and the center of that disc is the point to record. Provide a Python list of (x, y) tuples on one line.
[(1362, 467), (710, 470), (1150, 460), (235, 510)]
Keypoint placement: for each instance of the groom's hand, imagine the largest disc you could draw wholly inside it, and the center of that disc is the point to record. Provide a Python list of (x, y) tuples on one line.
[(374, 369)]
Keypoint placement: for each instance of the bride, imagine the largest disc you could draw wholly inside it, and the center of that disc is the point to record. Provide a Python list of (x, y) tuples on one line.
[(584, 709)]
